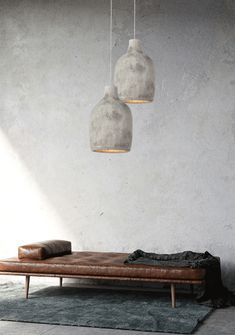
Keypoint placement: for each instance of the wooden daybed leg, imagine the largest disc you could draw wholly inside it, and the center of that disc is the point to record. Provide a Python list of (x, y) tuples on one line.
[(173, 295), (191, 289), (27, 280), (61, 281)]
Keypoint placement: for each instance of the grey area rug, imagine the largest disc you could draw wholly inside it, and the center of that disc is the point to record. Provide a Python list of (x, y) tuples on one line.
[(89, 307)]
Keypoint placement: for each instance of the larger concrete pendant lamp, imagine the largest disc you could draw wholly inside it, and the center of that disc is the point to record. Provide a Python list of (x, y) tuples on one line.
[(111, 119), (134, 73)]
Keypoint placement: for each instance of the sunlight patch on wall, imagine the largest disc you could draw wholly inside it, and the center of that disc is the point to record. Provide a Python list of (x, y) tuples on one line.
[(26, 215)]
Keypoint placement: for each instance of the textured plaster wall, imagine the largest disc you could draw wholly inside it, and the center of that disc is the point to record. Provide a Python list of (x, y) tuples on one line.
[(176, 189)]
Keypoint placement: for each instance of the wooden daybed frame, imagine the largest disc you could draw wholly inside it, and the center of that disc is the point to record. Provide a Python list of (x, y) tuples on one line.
[(100, 265)]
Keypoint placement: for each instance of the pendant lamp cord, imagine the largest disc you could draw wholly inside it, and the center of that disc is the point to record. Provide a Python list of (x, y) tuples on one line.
[(111, 42), (134, 16)]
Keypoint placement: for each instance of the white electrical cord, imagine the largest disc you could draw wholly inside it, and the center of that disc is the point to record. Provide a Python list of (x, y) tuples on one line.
[(134, 16), (111, 42)]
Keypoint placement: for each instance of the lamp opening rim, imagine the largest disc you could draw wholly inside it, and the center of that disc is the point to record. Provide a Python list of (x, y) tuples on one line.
[(137, 101), (111, 151)]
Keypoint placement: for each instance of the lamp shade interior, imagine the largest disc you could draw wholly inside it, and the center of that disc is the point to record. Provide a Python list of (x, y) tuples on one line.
[(136, 101), (111, 151)]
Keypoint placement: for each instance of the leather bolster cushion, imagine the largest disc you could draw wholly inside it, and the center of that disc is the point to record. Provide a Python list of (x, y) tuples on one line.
[(45, 249)]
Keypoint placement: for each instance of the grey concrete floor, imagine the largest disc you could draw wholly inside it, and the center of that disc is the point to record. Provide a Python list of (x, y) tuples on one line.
[(220, 322)]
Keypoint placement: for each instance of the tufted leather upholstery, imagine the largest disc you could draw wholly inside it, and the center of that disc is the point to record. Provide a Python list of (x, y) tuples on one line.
[(45, 249), (103, 264)]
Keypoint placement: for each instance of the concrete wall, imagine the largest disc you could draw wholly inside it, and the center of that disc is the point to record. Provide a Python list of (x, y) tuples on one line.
[(176, 189)]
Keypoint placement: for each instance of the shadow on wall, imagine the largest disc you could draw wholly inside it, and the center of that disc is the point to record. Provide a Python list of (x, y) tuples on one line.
[(228, 274)]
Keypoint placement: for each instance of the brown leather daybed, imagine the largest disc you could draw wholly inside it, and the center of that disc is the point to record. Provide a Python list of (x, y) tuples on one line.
[(96, 265)]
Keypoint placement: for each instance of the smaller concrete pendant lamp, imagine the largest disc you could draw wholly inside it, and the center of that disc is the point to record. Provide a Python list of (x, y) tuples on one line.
[(134, 73), (111, 119)]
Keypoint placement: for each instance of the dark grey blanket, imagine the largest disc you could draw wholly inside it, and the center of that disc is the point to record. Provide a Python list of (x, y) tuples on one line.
[(213, 294)]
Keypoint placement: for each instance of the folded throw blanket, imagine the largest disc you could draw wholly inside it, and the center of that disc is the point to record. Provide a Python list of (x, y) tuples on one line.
[(214, 293)]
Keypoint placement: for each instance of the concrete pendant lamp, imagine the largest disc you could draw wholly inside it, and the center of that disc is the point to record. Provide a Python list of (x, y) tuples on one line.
[(134, 73), (111, 124), (111, 119)]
